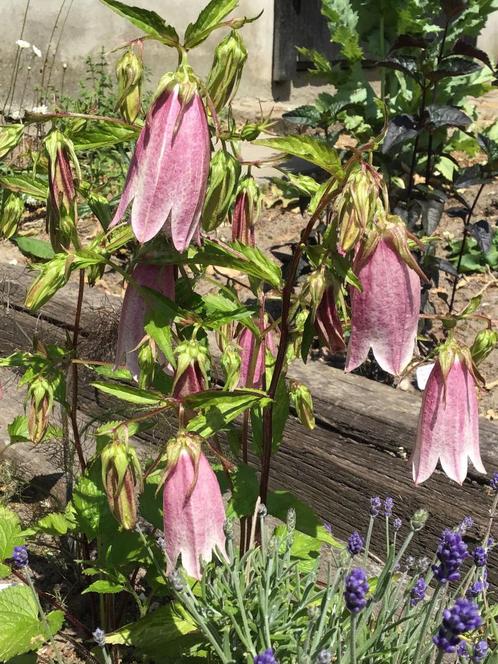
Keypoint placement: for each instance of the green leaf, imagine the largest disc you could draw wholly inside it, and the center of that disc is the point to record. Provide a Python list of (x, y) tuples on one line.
[(94, 135), (108, 371), (33, 247), (304, 549), (10, 533), (343, 22), (279, 418), (169, 630), (151, 501), (220, 408), (56, 524), (4, 571), (18, 429), (245, 491), (103, 587), (146, 20), (207, 21), (22, 631), (90, 505), (26, 184), (131, 394), (311, 149), (279, 503), (53, 276), (249, 260), (10, 135)]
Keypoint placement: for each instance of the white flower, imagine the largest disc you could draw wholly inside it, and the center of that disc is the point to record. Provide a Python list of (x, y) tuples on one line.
[(36, 51), (23, 44), (40, 109)]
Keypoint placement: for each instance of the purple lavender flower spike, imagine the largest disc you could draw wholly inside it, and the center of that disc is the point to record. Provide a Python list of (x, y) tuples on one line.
[(356, 589), (451, 553), (417, 593), (388, 506), (397, 523), (480, 651), (463, 617), (494, 482), (375, 505), (355, 543), (20, 556), (266, 657), (480, 556)]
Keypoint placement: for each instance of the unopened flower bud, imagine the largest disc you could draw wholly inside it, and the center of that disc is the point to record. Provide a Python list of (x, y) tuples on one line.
[(224, 173), (315, 287), (485, 341), (62, 201), (192, 368), (129, 72), (231, 363), (122, 480), (146, 362), (291, 519), (40, 407), (418, 520), (224, 78), (246, 211), (303, 403), (10, 213)]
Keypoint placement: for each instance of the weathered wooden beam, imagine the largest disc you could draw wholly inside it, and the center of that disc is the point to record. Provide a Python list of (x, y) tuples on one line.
[(364, 436)]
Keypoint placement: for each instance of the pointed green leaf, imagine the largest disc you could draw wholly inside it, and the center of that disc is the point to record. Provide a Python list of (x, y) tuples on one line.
[(311, 149), (22, 183), (103, 587), (131, 394), (10, 533), (33, 247), (148, 21), (10, 135), (207, 21)]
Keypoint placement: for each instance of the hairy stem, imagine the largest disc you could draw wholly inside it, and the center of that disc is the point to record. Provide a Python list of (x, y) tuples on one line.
[(73, 414)]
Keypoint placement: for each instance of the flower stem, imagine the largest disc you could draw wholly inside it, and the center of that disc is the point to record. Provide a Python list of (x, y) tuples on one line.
[(425, 624), (353, 639), (43, 616)]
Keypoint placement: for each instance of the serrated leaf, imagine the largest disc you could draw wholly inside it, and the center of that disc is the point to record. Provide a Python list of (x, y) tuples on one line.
[(130, 394), (169, 629), (245, 491), (453, 66), (22, 630), (208, 20), (311, 149), (103, 587), (304, 115), (94, 135), (463, 47), (343, 22), (249, 260), (481, 231), (405, 64), (33, 247), (220, 408), (23, 183), (56, 524), (148, 21), (90, 505), (10, 533)]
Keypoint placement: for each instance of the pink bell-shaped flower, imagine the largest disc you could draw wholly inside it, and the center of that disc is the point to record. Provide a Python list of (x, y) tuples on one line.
[(252, 368), (168, 173), (448, 426), (384, 314), (194, 515), (131, 323), (328, 324)]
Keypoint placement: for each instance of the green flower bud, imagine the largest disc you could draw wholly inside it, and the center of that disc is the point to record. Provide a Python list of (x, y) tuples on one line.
[(146, 362), (129, 72), (122, 480), (418, 520), (191, 354), (315, 287), (302, 401), (10, 213), (41, 401), (224, 78), (63, 175), (485, 341), (230, 361), (224, 173)]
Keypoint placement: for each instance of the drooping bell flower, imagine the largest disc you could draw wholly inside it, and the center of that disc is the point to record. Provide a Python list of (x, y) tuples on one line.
[(62, 200), (168, 173), (246, 211), (194, 514), (253, 356), (191, 373), (131, 323), (328, 324), (448, 426), (384, 314)]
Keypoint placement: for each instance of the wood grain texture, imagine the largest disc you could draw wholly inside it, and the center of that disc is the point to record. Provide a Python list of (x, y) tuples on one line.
[(360, 447)]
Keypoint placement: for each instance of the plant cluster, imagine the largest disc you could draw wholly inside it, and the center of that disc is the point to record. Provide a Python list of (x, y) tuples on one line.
[(150, 541)]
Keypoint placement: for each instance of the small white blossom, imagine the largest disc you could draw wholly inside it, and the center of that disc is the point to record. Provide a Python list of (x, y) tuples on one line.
[(23, 44), (40, 109), (36, 51)]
